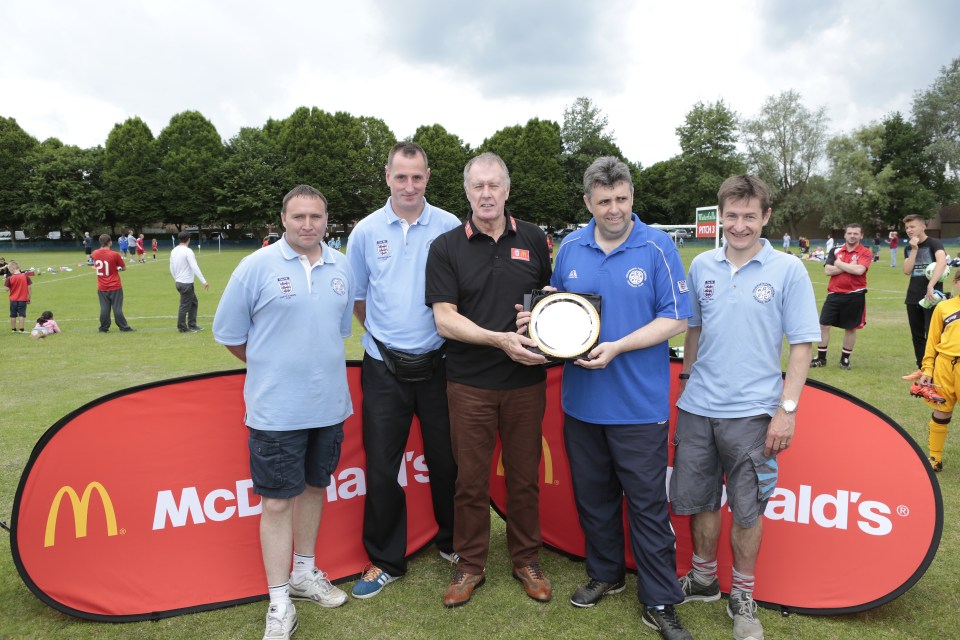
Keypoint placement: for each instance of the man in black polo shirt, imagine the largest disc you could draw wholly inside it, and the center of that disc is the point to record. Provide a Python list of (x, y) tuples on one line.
[(477, 274)]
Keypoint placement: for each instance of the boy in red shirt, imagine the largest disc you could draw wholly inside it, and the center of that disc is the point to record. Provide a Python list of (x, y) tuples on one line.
[(108, 265), (20, 286)]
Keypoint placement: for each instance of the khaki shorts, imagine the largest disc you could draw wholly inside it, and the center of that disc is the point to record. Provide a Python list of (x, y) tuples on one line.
[(711, 449)]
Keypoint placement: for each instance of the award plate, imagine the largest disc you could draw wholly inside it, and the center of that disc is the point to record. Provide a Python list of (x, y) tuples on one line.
[(565, 326)]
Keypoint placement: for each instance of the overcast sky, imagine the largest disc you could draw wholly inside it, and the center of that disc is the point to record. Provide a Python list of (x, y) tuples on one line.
[(72, 70)]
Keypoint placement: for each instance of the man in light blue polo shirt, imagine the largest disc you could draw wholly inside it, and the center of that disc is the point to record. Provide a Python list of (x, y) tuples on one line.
[(387, 252), (285, 313), (736, 411)]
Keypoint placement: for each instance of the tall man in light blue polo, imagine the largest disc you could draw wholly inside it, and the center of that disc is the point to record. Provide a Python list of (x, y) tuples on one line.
[(387, 252), (285, 312), (737, 412)]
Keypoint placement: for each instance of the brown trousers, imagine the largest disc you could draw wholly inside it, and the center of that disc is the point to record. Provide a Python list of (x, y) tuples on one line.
[(476, 417)]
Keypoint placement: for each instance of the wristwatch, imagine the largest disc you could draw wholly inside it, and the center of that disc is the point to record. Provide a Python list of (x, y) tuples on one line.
[(788, 406)]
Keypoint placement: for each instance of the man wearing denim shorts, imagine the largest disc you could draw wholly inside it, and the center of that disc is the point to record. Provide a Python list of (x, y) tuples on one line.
[(285, 313), (736, 411)]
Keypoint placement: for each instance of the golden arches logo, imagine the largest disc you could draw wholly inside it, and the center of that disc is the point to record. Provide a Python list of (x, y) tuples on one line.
[(547, 462), (81, 509)]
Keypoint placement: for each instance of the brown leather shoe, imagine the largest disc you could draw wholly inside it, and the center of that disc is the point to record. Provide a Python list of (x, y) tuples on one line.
[(461, 588), (534, 582)]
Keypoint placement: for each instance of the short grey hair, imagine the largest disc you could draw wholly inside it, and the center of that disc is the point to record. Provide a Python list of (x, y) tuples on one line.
[(483, 158), (606, 171)]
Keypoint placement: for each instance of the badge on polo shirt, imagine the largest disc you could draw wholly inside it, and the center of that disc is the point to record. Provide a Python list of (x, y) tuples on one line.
[(286, 287), (383, 249), (520, 254)]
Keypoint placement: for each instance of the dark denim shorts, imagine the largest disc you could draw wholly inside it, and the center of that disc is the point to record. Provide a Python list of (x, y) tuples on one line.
[(283, 463)]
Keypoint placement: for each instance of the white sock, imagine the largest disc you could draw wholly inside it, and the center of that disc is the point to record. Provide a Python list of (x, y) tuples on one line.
[(302, 567), (280, 594)]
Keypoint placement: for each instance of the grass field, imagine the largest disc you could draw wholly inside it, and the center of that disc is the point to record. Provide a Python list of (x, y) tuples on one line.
[(44, 380)]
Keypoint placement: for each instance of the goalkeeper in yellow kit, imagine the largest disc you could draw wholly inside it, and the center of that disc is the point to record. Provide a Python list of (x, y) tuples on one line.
[(941, 372)]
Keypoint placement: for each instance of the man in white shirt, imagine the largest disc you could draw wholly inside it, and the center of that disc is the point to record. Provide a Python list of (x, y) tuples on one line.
[(184, 268)]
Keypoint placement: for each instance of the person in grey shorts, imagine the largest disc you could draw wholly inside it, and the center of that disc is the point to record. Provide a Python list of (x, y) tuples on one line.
[(736, 411)]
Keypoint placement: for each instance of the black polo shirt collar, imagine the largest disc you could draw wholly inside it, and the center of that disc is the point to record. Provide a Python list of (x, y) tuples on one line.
[(470, 228)]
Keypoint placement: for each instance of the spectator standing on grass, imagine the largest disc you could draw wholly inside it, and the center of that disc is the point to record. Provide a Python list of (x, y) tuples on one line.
[(132, 244), (185, 270), (88, 245), (476, 274), (19, 287), (845, 306), (786, 241), (894, 244), (921, 251), (404, 372), (285, 313), (141, 252), (736, 411), (108, 264), (153, 245), (122, 243)]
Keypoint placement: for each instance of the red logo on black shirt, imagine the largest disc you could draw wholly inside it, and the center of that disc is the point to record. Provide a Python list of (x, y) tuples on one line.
[(520, 254)]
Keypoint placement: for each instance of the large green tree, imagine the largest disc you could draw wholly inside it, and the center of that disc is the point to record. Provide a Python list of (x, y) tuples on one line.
[(916, 179), (64, 187), (785, 144), (249, 188), (858, 182), (585, 137), (447, 155), (190, 153), (16, 146), (936, 113), (340, 154), (708, 155), (538, 189), (130, 176)]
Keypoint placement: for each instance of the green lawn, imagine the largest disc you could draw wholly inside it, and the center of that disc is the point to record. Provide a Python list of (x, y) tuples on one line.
[(44, 380)]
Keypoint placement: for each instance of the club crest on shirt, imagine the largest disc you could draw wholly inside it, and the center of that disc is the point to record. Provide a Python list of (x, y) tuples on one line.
[(383, 249), (708, 289), (339, 286), (763, 292), (682, 286), (636, 277), (286, 286)]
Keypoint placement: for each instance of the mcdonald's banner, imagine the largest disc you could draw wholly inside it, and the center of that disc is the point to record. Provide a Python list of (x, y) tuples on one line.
[(122, 521), (113, 522), (842, 533)]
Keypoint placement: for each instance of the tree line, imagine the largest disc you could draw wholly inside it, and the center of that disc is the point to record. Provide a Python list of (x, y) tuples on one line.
[(188, 175)]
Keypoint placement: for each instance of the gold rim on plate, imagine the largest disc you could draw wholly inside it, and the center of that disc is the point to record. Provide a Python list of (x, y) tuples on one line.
[(564, 325)]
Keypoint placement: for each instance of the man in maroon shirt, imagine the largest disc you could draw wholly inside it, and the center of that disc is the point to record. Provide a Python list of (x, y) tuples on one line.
[(846, 303), (108, 265), (19, 286)]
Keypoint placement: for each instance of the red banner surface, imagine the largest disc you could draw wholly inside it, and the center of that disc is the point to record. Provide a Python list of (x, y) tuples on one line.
[(118, 523)]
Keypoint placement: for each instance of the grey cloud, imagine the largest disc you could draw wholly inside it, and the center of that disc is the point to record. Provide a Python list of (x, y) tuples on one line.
[(512, 48)]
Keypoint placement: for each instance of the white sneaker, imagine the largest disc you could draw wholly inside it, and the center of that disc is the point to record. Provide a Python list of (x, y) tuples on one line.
[(281, 622), (316, 588)]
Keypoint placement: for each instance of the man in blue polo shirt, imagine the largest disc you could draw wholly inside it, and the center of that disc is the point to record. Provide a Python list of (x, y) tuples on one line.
[(387, 252), (285, 313), (615, 400), (736, 410)]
